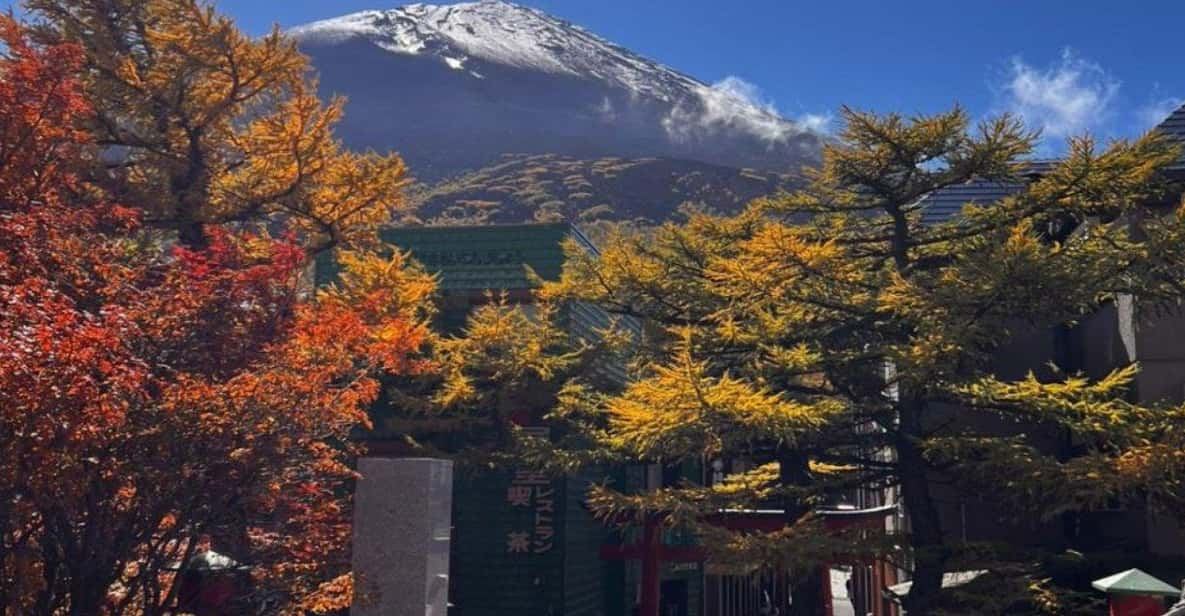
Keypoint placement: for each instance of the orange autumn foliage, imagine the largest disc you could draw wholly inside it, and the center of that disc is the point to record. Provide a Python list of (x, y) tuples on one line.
[(207, 125), (158, 401)]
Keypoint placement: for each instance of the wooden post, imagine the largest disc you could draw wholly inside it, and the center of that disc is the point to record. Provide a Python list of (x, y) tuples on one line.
[(651, 576), (825, 581)]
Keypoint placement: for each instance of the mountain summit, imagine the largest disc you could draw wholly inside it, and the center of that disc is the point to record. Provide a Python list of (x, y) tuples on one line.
[(454, 86), (501, 33)]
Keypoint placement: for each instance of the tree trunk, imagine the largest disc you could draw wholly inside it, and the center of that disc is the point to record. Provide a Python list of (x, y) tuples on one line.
[(929, 551), (45, 605), (191, 234), (806, 586), (89, 583), (87, 598)]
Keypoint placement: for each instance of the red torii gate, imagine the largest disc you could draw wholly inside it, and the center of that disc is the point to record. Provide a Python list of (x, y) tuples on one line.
[(653, 552)]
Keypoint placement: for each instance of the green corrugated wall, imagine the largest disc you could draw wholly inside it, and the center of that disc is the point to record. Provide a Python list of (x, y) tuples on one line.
[(487, 579)]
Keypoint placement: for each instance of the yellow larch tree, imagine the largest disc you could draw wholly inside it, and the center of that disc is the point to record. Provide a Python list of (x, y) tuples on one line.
[(841, 342), (202, 124)]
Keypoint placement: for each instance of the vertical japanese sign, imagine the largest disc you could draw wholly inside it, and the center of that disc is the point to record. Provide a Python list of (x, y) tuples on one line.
[(535, 491)]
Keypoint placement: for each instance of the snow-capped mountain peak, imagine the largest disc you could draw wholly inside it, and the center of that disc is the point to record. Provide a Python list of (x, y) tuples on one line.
[(452, 85), (506, 34)]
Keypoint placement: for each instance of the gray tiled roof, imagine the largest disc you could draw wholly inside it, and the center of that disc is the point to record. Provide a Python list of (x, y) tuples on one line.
[(1174, 126), (1039, 166), (944, 204)]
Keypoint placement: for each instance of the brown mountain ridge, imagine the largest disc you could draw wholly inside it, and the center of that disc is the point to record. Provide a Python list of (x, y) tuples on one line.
[(548, 188)]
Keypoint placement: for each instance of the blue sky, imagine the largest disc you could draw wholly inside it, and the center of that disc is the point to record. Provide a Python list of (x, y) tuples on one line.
[(1108, 67)]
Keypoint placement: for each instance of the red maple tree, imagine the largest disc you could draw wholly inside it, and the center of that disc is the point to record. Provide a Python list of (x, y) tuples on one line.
[(157, 401)]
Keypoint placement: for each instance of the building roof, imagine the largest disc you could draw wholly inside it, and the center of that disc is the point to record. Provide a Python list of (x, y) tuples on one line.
[(492, 257), (475, 258), (1174, 126), (1134, 582), (1039, 166), (946, 203), (953, 579)]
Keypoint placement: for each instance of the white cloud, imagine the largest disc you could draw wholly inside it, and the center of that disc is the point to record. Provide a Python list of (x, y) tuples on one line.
[(735, 104), (734, 87), (818, 122), (1069, 97), (1155, 112)]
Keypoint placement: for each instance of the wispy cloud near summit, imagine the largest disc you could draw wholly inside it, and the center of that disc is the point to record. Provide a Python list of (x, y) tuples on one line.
[(734, 103)]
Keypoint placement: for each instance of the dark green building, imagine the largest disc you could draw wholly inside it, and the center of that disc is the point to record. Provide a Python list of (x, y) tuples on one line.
[(524, 544)]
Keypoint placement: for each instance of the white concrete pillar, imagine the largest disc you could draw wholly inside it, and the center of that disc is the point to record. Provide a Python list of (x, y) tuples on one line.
[(402, 524)]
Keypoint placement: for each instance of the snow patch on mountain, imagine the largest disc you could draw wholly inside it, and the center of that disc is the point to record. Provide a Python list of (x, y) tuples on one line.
[(463, 36), (502, 33)]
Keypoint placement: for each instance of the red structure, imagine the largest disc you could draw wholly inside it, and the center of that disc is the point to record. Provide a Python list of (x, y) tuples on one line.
[(1136, 606), (1135, 593), (872, 519), (210, 583), (652, 552)]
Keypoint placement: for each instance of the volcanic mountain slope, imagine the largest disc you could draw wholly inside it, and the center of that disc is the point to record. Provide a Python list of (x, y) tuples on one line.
[(549, 187), (453, 87)]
